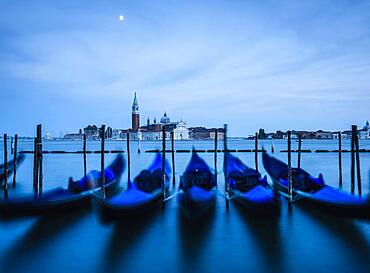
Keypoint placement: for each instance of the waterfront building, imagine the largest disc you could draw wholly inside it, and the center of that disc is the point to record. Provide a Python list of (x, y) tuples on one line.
[(181, 132), (364, 133), (73, 136), (202, 133), (323, 135)]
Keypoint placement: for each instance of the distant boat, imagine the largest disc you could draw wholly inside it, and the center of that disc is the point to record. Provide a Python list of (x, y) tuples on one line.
[(197, 188), (63, 200), (143, 195), (20, 159), (313, 192), (250, 189)]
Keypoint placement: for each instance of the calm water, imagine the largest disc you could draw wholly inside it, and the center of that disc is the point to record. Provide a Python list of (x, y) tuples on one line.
[(224, 241)]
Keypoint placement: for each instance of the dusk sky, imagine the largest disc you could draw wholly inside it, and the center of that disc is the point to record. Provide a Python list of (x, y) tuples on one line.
[(251, 64)]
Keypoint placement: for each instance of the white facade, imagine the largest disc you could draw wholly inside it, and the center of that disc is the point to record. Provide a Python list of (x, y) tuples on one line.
[(181, 132), (364, 134)]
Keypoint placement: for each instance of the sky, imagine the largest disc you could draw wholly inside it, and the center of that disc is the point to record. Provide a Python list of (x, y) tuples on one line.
[(302, 65)]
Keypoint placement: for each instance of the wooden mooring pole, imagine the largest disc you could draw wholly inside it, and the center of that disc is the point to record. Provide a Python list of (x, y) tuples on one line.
[(39, 157), (128, 160), (340, 159), (163, 164), (358, 165), (138, 144), (226, 168), (299, 150), (272, 148), (256, 152), (15, 159), (11, 145), (354, 131), (215, 155), (84, 154), (173, 158), (290, 182), (5, 167), (35, 167), (102, 160)]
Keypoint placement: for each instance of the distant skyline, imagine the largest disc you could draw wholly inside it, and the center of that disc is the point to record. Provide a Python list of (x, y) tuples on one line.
[(302, 65)]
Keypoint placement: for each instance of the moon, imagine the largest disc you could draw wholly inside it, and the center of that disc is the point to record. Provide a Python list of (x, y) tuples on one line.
[(121, 18)]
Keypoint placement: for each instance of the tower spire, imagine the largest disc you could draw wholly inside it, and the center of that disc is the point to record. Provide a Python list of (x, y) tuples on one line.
[(135, 115), (135, 105)]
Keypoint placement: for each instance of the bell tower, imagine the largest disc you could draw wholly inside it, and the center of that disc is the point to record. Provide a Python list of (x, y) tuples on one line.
[(135, 115)]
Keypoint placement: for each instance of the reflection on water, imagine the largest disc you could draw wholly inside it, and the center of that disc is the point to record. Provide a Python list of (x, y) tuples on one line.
[(193, 236), (266, 232), (345, 230), (124, 235), (41, 234)]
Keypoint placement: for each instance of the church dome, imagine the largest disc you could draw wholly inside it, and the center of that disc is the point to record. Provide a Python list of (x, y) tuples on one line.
[(367, 126), (165, 119)]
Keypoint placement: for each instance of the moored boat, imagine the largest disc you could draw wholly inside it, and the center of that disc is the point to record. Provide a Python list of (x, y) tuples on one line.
[(197, 188), (77, 195), (248, 188), (142, 195), (313, 192)]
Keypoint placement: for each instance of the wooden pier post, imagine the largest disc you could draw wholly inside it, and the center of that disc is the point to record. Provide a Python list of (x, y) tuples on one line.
[(290, 182), (84, 154), (102, 160), (15, 159), (340, 159), (11, 145), (39, 157), (256, 152), (128, 160), (215, 155), (138, 144), (163, 164), (272, 148), (354, 131), (35, 167), (299, 150), (173, 158), (226, 168), (358, 165), (5, 167)]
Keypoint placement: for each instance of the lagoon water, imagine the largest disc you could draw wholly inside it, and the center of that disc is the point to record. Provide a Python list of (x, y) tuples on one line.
[(224, 241)]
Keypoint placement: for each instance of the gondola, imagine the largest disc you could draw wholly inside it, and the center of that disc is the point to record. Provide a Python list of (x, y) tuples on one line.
[(20, 159), (197, 188), (313, 192), (60, 200), (142, 195), (249, 189)]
